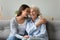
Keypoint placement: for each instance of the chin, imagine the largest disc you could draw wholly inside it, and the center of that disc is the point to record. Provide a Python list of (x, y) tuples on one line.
[(26, 17), (33, 17)]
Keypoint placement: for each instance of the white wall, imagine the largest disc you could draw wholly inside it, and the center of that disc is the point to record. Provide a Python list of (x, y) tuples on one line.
[(47, 7)]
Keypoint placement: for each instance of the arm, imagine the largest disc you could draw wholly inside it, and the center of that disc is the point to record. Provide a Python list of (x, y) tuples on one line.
[(13, 28), (32, 26), (42, 31), (42, 21)]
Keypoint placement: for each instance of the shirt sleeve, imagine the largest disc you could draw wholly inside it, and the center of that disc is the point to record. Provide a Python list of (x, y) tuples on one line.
[(13, 28), (42, 31)]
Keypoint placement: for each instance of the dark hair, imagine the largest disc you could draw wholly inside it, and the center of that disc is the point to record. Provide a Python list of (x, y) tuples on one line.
[(22, 7)]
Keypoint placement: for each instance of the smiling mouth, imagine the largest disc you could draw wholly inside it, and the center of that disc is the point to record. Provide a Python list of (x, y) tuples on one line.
[(33, 15)]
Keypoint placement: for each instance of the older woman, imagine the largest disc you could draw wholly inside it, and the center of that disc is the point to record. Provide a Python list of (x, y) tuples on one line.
[(36, 32)]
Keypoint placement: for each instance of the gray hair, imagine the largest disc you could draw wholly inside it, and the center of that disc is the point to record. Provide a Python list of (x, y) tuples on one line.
[(37, 9)]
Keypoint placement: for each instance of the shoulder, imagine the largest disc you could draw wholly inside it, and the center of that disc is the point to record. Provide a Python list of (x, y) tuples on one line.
[(13, 20)]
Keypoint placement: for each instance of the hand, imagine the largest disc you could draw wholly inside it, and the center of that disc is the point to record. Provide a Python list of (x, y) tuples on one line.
[(26, 36), (42, 21)]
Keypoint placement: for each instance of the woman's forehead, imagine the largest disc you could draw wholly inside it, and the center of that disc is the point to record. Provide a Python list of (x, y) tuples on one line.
[(33, 9)]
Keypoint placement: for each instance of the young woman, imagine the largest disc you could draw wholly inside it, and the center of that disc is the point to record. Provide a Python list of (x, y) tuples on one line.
[(36, 32), (18, 24)]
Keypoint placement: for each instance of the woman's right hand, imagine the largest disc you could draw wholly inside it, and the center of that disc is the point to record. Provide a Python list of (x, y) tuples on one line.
[(42, 21), (26, 36)]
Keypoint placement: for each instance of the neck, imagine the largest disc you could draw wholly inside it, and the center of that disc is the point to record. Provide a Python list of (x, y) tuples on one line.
[(20, 19), (33, 19)]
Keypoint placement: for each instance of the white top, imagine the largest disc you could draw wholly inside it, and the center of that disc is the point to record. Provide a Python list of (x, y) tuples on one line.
[(21, 28)]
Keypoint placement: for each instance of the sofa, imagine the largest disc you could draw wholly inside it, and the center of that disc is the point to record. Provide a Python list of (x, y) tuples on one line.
[(4, 29), (53, 29)]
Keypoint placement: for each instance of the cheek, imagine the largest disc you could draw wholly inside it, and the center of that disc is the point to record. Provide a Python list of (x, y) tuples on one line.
[(35, 15), (31, 14), (25, 12)]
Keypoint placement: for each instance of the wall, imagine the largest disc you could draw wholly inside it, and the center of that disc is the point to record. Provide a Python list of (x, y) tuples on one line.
[(49, 8)]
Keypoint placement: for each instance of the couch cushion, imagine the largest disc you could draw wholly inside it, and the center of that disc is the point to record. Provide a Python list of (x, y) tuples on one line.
[(4, 28), (4, 33), (3, 24), (53, 29)]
